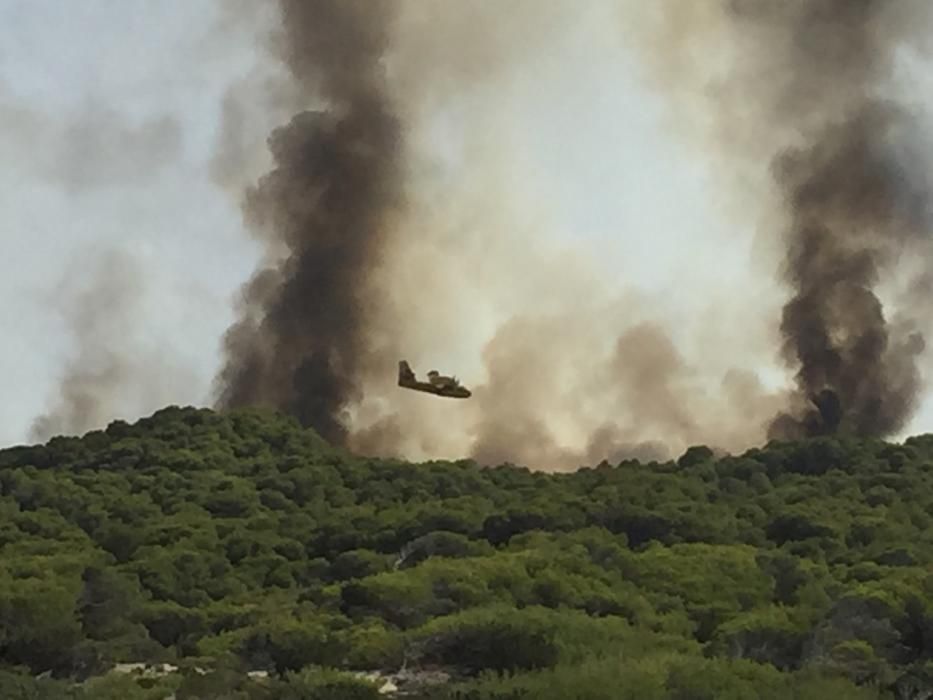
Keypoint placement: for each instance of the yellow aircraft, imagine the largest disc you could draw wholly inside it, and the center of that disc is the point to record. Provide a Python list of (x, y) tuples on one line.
[(436, 384)]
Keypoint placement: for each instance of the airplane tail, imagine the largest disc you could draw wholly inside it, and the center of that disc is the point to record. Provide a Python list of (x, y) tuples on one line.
[(405, 375)]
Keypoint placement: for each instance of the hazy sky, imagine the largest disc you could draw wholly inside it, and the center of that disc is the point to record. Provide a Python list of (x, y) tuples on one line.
[(110, 115)]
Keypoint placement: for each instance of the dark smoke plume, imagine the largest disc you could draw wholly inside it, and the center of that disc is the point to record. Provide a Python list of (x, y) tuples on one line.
[(325, 211), (809, 85), (852, 208)]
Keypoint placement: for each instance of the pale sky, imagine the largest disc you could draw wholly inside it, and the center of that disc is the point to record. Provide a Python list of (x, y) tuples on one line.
[(110, 112)]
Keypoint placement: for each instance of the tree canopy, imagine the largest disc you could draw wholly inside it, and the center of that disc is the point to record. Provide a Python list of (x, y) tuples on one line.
[(253, 560)]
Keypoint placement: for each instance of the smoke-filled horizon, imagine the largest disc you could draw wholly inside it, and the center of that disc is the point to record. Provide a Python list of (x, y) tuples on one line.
[(424, 192)]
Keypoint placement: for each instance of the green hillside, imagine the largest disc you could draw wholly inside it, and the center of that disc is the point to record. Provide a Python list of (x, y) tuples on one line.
[(230, 545)]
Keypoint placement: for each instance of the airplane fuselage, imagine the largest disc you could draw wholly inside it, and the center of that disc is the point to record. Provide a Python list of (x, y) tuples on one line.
[(453, 392), (443, 387)]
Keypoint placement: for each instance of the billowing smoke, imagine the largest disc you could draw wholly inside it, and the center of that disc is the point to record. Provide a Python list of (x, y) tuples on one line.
[(464, 273), (326, 209), (570, 390), (808, 84), (375, 252)]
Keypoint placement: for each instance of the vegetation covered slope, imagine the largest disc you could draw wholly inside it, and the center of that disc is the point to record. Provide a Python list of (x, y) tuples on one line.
[(231, 543)]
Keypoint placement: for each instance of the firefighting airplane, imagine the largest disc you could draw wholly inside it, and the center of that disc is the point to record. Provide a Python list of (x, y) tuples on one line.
[(436, 384)]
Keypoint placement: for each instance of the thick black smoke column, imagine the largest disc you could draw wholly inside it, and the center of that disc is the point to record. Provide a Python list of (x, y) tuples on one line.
[(324, 210), (853, 207), (815, 89)]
